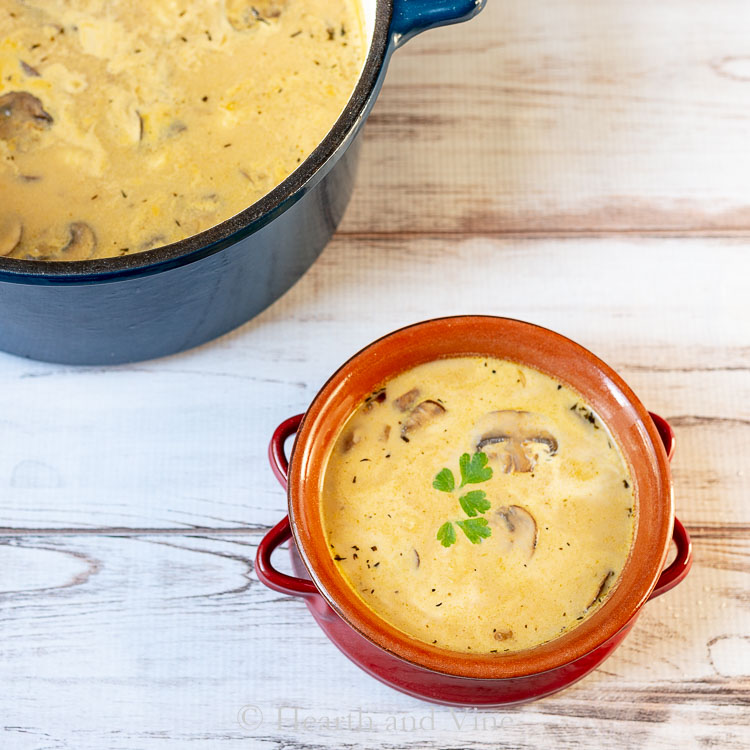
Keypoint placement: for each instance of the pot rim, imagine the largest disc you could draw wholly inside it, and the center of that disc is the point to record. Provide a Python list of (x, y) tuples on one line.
[(342, 393), (249, 220)]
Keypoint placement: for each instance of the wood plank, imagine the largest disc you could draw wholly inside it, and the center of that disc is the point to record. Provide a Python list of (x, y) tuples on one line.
[(139, 641), (564, 117), (180, 442)]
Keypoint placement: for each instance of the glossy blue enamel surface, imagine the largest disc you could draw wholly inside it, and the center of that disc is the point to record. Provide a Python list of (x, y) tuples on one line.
[(410, 17), (173, 298)]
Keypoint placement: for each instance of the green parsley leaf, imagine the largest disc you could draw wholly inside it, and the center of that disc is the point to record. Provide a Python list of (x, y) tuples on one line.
[(444, 481), (474, 502), (474, 468), (447, 534), (475, 529)]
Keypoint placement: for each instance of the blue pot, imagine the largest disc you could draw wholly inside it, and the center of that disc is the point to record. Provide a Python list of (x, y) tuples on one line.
[(175, 297)]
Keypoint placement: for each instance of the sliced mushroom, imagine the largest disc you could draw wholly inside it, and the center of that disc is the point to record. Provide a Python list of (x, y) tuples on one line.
[(31, 72), (385, 434), (406, 400), (82, 242), (375, 398), (603, 587), (511, 437), (244, 15), (420, 416), (11, 230), (516, 529), (22, 118), (415, 559), (502, 634), (350, 439), (80, 246)]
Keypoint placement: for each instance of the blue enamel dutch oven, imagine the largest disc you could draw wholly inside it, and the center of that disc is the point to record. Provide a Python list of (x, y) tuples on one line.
[(175, 297)]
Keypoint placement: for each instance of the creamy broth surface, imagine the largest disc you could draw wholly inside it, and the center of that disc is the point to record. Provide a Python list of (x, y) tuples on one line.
[(561, 513), (128, 126)]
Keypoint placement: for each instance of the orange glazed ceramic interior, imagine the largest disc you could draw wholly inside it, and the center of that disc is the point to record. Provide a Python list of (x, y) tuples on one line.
[(627, 419)]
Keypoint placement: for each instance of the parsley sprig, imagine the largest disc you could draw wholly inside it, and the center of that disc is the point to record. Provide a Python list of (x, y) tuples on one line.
[(474, 470)]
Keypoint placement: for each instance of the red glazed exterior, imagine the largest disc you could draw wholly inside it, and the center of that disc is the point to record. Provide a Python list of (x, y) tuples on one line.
[(425, 671)]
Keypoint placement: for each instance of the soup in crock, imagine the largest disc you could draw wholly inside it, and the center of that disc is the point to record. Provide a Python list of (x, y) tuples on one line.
[(479, 505), (127, 126)]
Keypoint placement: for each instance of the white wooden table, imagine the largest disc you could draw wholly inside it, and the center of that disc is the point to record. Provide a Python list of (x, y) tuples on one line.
[(581, 164)]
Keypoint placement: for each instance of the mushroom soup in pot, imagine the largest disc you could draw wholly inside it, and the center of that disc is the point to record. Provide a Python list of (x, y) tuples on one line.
[(125, 127), (479, 505)]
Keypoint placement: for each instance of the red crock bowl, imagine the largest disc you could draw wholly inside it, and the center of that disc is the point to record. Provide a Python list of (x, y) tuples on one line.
[(418, 668)]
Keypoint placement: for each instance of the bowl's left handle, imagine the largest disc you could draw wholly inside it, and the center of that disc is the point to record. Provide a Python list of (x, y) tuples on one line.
[(411, 17), (282, 531)]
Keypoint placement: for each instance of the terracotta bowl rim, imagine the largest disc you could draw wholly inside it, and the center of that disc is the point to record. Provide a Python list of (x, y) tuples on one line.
[(618, 610)]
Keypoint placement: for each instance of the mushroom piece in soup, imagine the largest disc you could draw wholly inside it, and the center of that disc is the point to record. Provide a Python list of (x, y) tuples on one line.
[(125, 126), (479, 505)]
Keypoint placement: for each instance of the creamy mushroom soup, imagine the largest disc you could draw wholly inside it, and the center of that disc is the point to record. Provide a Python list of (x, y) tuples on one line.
[(127, 126), (478, 505)]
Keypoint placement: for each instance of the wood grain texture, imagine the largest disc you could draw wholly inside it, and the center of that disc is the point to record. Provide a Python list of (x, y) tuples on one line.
[(180, 442), (534, 164), (166, 638), (565, 117)]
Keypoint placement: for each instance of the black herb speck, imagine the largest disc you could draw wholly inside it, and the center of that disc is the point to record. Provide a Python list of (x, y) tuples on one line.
[(625, 483), (338, 557), (405, 439)]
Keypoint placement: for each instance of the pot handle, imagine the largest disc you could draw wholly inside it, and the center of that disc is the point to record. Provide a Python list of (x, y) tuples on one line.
[(666, 433), (276, 456), (282, 531), (273, 578), (680, 566), (411, 17)]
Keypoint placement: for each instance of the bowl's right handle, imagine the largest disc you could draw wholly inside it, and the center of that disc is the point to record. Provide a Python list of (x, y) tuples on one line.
[(282, 531), (680, 566), (411, 17)]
